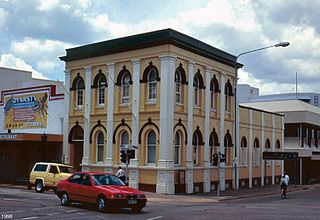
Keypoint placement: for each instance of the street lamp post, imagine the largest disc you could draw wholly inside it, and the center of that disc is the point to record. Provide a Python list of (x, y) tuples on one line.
[(281, 44)]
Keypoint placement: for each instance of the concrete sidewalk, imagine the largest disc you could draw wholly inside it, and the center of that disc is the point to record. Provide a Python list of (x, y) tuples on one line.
[(224, 195)]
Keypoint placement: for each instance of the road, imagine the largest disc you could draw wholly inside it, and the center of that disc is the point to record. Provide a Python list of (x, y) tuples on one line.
[(17, 203)]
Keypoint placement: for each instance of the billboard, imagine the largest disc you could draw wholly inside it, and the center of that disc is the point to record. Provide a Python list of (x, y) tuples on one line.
[(26, 111)]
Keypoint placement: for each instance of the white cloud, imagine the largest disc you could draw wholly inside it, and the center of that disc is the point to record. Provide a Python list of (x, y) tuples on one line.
[(48, 5), (43, 52), (8, 60), (3, 17)]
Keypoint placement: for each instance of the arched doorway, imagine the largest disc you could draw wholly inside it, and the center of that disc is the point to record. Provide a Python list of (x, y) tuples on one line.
[(76, 146)]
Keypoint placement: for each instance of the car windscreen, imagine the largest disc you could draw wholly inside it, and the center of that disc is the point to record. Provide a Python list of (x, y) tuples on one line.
[(105, 179), (64, 169)]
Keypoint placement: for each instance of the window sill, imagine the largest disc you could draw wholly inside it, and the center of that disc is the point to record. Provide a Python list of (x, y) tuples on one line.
[(179, 104), (197, 107), (213, 110), (243, 166), (151, 102), (124, 104), (100, 106)]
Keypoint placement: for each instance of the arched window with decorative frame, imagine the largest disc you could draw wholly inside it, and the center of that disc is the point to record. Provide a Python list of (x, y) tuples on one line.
[(79, 87), (195, 152), (213, 145), (278, 149), (267, 149), (125, 88), (152, 85), (244, 151), (196, 87), (228, 147), (214, 89), (256, 151), (228, 94), (151, 147), (100, 147), (178, 87), (177, 148)]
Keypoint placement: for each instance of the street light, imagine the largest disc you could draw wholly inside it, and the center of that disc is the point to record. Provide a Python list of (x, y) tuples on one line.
[(281, 44)]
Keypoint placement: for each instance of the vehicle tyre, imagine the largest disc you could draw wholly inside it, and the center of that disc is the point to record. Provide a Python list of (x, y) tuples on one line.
[(65, 199), (39, 188), (101, 204), (136, 210)]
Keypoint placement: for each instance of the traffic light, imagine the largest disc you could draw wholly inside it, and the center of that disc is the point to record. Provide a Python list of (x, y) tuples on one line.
[(131, 154), (123, 156), (222, 158), (215, 159)]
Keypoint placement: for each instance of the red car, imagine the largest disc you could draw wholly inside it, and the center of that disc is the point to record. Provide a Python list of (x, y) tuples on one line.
[(103, 189)]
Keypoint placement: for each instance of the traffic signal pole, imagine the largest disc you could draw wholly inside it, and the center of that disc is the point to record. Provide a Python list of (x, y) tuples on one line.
[(127, 163)]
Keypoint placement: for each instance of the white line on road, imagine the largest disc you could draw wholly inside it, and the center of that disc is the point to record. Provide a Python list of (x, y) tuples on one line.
[(74, 210), (34, 217), (55, 213), (157, 217)]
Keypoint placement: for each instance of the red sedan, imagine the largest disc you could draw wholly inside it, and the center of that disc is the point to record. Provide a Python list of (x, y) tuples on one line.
[(103, 189)]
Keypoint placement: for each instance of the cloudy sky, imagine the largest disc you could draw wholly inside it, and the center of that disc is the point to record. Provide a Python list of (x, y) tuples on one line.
[(35, 33)]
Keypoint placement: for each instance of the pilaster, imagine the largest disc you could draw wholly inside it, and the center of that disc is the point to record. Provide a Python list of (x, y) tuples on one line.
[(189, 162), (206, 156), (222, 133), (65, 149), (111, 80), (87, 111), (250, 146), (165, 179)]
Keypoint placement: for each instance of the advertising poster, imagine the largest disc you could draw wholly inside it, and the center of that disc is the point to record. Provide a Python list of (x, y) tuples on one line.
[(26, 111)]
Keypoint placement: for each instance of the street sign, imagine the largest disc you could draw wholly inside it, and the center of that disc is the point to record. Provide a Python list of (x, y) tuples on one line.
[(280, 155)]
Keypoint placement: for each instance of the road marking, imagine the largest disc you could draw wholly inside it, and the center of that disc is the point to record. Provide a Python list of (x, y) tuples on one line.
[(157, 217), (55, 213), (34, 217), (74, 210)]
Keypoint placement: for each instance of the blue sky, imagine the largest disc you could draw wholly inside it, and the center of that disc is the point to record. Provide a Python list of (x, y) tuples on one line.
[(35, 33)]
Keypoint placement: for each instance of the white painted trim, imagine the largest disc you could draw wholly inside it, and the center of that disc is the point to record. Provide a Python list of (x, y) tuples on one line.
[(262, 148), (273, 147)]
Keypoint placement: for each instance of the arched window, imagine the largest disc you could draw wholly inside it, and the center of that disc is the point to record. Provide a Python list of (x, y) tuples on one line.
[(195, 152), (125, 88), (196, 86), (101, 90), (178, 86), (213, 144), (79, 92), (214, 88), (211, 138), (227, 147), (100, 146), (267, 148), (152, 84), (228, 94), (177, 148), (256, 147), (151, 147), (278, 148), (244, 153)]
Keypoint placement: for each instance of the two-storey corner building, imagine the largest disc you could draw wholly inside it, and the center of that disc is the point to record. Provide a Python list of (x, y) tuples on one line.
[(171, 98)]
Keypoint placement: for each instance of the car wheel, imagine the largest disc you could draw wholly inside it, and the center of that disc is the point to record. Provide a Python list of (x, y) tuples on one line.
[(39, 188), (65, 199), (101, 204)]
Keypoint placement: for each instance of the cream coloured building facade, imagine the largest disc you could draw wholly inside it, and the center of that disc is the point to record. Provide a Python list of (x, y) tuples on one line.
[(172, 97)]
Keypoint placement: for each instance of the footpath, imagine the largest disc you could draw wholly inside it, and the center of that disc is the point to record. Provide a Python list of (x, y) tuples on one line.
[(228, 194)]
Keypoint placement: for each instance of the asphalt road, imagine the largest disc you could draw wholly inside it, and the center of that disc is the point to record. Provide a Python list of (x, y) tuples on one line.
[(16, 203)]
